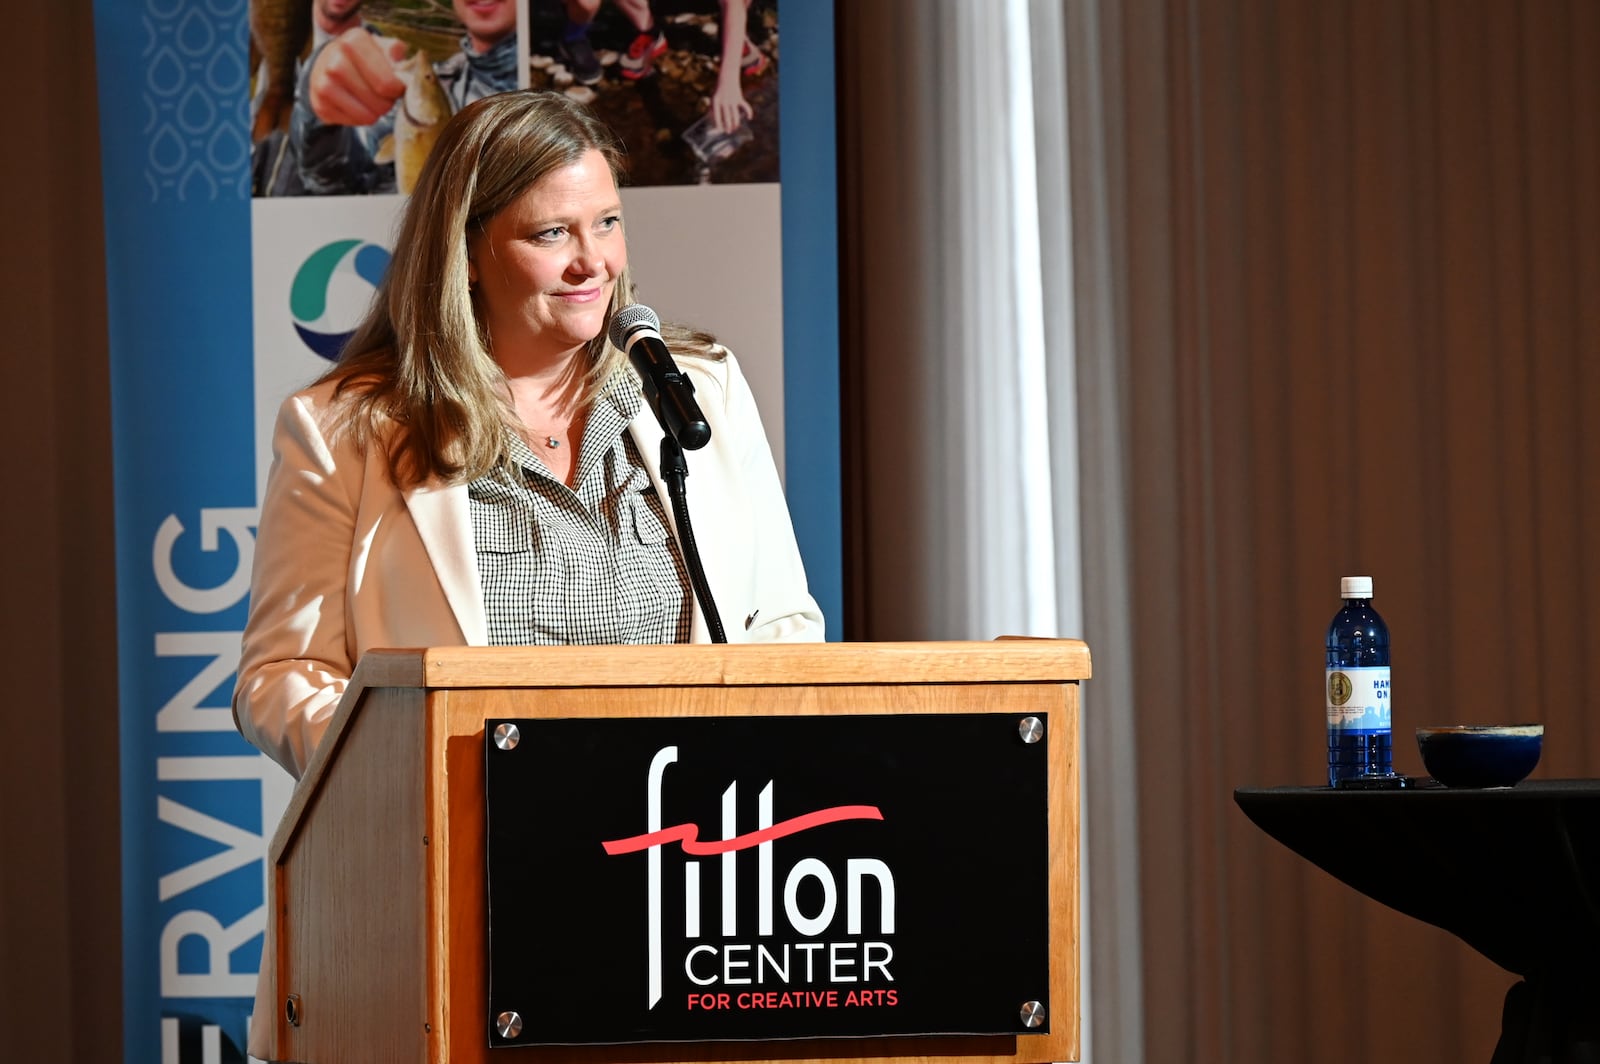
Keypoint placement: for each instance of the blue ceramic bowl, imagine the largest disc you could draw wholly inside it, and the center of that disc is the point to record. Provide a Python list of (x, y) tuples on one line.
[(1480, 755)]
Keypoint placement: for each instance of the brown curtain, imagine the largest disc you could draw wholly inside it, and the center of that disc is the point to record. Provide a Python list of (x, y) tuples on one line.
[(1353, 248), (60, 885), (1362, 261)]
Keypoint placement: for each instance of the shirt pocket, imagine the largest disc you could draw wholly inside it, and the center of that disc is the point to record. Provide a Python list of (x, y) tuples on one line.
[(504, 529), (649, 525)]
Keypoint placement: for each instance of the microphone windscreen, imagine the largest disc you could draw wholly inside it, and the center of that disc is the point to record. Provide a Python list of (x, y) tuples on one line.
[(630, 318)]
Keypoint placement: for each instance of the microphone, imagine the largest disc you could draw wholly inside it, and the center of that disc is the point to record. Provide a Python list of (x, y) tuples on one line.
[(636, 329)]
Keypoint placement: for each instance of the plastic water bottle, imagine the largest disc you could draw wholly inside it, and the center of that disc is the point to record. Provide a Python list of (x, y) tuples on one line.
[(1360, 739)]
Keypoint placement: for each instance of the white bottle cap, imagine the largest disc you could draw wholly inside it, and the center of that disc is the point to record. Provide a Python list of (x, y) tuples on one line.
[(1355, 587)]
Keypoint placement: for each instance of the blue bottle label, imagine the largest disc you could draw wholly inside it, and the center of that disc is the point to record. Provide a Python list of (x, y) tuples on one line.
[(1358, 699)]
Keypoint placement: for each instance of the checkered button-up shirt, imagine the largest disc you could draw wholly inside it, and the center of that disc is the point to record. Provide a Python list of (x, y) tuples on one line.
[(594, 563)]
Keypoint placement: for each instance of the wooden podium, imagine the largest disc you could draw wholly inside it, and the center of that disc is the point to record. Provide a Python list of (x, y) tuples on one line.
[(377, 937)]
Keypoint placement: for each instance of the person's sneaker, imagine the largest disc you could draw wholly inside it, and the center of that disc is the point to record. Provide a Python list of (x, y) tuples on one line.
[(642, 54), (581, 60), (752, 61)]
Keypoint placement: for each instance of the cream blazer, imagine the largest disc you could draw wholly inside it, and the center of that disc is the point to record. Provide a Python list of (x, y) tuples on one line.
[(345, 562)]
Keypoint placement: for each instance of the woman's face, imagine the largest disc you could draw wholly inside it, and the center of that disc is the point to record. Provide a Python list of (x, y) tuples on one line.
[(543, 269)]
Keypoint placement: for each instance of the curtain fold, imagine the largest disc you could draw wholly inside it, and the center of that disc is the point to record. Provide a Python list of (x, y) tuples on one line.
[(60, 884), (962, 365), (961, 349)]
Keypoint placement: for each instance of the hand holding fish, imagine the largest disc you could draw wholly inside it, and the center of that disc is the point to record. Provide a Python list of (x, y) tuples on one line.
[(353, 80)]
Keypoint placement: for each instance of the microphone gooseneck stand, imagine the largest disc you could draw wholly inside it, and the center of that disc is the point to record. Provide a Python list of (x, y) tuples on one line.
[(675, 473)]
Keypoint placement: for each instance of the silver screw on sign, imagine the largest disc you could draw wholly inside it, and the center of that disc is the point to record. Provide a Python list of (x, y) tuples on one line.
[(509, 1024), (506, 737), (1032, 1014), (1031, 729)]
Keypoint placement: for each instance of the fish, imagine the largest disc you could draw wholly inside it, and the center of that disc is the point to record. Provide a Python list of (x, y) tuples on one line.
[(280, 36), (418, 119)]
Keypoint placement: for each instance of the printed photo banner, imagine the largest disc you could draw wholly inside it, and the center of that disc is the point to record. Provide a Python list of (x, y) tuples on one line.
[(232, 276)]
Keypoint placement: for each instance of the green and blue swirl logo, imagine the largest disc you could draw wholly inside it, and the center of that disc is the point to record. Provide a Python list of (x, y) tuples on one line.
[(331, 291)]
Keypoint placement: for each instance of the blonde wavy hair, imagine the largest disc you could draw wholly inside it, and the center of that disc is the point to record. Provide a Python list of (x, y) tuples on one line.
[(417, 373)]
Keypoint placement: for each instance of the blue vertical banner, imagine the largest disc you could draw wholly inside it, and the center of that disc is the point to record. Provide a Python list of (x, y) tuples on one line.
[(810, 211), (198, 802), (218, 294)]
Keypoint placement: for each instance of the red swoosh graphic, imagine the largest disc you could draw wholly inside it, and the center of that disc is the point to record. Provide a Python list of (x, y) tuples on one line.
[(689, 834)]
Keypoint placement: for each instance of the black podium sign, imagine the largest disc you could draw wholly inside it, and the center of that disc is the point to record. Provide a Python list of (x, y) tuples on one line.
[(752, 878)]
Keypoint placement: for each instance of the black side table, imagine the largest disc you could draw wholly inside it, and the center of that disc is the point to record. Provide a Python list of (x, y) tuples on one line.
[(1513, 872)]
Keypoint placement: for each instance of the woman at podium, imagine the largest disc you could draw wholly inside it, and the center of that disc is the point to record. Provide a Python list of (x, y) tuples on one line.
[(479, 466)]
